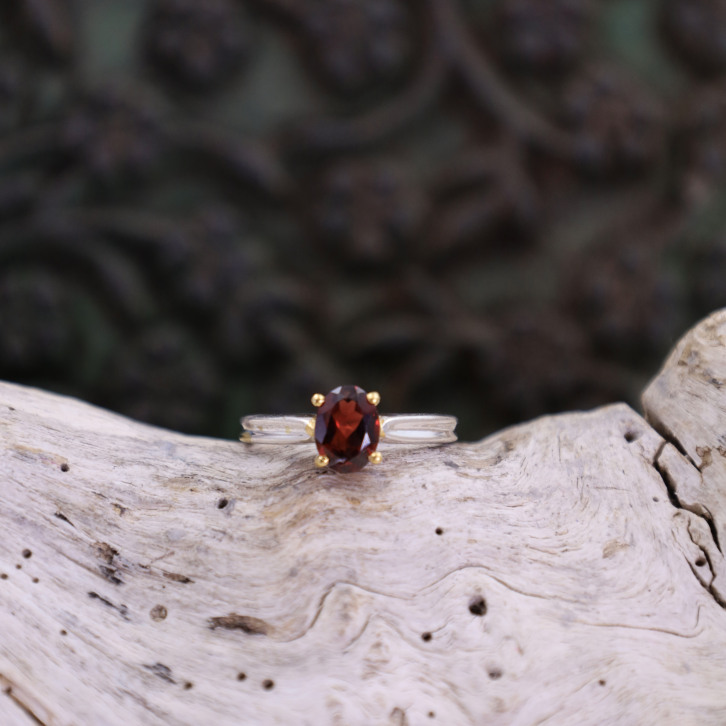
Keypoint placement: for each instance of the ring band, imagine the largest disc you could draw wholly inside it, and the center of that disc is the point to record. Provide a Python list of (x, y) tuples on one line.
[(347, 429), (414, 429)]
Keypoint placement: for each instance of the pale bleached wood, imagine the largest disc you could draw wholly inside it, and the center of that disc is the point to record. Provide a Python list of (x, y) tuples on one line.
[(13, 713), (686, 402), (594, 605)]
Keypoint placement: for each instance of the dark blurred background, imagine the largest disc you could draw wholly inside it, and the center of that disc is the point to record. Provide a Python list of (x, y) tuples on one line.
[(492, 208)]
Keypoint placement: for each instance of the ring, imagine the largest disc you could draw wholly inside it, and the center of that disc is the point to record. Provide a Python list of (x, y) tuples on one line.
[(348, 428)]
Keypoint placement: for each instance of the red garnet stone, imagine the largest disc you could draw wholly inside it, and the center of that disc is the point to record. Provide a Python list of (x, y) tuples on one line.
[(347, 428)]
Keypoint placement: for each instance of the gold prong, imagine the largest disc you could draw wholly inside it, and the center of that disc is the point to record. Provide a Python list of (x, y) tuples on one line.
[(321, 461), (317, 400), (310, 427), (374, 398), (375, 457)]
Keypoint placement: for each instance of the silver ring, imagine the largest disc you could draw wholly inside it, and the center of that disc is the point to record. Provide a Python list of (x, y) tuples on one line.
[(347, 429)]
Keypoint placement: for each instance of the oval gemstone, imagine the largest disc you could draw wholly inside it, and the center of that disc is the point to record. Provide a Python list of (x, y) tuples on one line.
[(347, 428)]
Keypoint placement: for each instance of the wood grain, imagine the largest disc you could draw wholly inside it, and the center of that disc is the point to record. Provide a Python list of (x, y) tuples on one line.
[(564, 571)]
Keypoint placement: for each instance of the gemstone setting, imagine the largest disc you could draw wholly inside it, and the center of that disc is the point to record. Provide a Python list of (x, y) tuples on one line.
[(347, 428)]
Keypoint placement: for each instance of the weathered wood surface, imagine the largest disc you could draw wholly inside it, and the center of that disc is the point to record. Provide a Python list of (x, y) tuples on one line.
[(687, 403), (545, 575)]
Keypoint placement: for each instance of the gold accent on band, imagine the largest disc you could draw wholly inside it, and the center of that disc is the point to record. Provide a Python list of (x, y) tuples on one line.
[(375, 457), (317, 400), (321, 461), (245, 437), (374, 398), (310, 427)]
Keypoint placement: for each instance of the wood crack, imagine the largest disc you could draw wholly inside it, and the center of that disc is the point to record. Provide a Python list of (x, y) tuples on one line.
[(700, 510)]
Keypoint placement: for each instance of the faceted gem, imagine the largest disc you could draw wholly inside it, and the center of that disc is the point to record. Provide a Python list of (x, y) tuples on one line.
[(347, 428)]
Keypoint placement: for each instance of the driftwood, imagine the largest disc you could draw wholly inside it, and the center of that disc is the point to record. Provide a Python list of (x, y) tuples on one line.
[(565, 571)]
